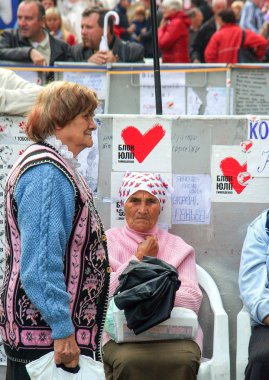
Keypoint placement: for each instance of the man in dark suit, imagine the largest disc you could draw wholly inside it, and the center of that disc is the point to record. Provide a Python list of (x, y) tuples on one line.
[(31, 43)]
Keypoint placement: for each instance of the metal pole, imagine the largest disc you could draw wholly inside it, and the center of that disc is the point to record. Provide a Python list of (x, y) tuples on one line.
[(157, 76)]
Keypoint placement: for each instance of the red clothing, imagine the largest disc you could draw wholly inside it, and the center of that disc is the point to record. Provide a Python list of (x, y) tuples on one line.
[(224, 44), (173, 38), (71, 39)]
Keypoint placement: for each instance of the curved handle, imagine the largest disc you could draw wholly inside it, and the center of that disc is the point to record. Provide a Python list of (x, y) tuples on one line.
[(103, 44)]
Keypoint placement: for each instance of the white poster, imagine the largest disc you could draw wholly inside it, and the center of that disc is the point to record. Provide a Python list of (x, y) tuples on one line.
[(216, 99), (142, 144), (89, 161), (12, 128), (231, 179), (191, 199), (29, 76), (95, 81), (173, 93), (117, 212), (258, 147), (193, 102)]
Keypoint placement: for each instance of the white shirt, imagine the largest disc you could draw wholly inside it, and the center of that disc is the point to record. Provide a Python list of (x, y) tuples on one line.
[(16, 94)]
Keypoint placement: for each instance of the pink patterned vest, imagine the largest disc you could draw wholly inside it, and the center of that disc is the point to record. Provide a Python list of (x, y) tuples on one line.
[(25, 334)]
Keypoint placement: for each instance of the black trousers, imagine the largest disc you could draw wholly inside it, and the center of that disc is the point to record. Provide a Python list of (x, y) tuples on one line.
[(16, 371), (258, 361)]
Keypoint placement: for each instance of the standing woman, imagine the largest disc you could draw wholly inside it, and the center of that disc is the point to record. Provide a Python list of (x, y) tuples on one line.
[(56, 281), (173, 34)]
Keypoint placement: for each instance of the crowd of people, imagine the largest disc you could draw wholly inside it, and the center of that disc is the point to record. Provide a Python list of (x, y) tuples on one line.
[(208, 32)]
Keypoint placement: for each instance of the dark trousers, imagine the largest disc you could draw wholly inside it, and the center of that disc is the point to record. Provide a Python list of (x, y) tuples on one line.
[(258, 361), (16, 371)]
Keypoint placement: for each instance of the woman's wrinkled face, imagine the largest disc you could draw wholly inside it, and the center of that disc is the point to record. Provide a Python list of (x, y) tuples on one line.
[(142, 211), (77, 134)]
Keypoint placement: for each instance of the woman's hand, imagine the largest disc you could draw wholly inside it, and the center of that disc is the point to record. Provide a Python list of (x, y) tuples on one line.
[(66, 351), (266, 320), (163, 23), (148, 247)]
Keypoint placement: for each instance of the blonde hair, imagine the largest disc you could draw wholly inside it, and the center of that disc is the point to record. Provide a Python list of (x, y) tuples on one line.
[(56, 105), (238, 4), (54, 11), (140, 10)]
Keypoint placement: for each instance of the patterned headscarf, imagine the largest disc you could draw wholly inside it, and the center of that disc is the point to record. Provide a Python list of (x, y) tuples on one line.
[(150, 182)]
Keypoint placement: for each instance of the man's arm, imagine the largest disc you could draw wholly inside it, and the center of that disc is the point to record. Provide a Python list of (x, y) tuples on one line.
[(102, 57), (16, 94), (247, 20), (253, 276), (128, 51), (10, 51)]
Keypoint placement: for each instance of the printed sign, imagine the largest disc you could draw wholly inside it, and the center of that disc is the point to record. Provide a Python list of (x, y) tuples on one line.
[(231, 179), (142, 147)]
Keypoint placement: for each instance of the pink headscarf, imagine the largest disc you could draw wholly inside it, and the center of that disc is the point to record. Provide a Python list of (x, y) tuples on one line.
[(150, 182)]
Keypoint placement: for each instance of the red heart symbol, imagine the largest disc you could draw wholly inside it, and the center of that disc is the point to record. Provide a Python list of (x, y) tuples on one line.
[(143, 144), (246, 145), (231, 169)]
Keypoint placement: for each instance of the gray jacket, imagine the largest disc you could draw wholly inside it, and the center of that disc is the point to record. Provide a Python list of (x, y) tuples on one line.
[(126, 51)]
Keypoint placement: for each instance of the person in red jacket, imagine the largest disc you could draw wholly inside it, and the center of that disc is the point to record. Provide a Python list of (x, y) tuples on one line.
[(224, 44), (173, 33)]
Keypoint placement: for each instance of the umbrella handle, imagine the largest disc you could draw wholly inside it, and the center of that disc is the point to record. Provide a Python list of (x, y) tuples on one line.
[(103, 43)]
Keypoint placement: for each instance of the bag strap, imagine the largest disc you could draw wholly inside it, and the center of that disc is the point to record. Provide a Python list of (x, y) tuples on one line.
[(243, 38)]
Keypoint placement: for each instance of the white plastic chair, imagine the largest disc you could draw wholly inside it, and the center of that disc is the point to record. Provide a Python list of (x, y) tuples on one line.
[(218, 367), (243, 335)]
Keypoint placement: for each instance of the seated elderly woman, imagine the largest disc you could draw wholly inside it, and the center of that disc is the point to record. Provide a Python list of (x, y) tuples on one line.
[(144, 196)]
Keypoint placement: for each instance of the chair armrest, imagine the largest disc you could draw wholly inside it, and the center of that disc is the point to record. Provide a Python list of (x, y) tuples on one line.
[(220, 361)]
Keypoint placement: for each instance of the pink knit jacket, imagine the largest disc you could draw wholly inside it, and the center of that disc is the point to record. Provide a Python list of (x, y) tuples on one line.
[(122, 247)]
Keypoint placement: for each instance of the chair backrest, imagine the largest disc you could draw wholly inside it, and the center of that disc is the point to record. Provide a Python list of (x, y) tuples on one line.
[(210, 287)]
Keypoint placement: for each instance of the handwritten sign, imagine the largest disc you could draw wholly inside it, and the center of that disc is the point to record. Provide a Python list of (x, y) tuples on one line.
[(258, 154), (191, 199), (95, 81)]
